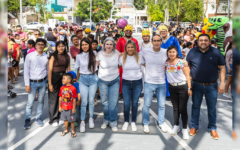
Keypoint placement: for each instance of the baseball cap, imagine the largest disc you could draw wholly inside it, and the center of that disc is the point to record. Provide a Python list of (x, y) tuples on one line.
[(73, 74)]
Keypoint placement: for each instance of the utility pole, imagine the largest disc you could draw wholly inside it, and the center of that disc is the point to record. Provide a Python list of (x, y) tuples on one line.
[(21, 13), (90, 14), (229, 9)]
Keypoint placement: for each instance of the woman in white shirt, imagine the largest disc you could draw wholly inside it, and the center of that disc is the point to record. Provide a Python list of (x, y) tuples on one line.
[(131, 62), (178, 76), (86, 66), (109, 82)]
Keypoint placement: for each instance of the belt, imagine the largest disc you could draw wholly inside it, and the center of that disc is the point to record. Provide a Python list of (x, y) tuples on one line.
[(206, 84), (59, 73), (41, 80), (177, 84)]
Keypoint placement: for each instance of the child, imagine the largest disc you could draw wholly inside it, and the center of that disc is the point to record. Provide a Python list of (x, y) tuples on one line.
[(214, 43), (90, 37), (186, 48), (95, 46), (67, 103), (31, 46), (78, 99)]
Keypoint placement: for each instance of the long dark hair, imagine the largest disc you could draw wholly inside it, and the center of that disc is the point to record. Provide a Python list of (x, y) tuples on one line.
[(92, 62), (229, 47), (55, 53), (175, 48), (187, 44)]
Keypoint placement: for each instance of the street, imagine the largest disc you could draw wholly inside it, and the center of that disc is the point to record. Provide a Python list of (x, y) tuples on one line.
[(49, 138)]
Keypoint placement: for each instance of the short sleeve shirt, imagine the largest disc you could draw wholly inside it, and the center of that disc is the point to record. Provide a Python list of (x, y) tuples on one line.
[(204, 66), (67, 94), (22, 35), (174, 72), (62, 36)]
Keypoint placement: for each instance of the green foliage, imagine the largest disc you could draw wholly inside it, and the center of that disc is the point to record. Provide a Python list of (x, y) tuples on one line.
[(155, 12), (60, 18), (139, 4), (103, 10), (192, 9)]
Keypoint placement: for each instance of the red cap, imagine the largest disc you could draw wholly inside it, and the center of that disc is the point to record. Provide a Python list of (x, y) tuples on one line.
[(101, 28)]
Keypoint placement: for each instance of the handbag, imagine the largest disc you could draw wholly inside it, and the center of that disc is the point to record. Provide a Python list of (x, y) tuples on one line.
[(14, 62)]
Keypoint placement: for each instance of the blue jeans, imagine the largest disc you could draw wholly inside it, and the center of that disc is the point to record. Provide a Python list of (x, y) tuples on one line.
[(149, 90), (41, 88), (88, 87), (211, 94), (24, 52), (109, 92), (131, 91), (52, 44)]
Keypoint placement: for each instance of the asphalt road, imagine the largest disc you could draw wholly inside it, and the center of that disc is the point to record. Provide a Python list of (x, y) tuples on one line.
[(48, 137)]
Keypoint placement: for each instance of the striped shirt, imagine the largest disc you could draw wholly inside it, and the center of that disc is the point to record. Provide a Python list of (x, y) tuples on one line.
[(155, 65)]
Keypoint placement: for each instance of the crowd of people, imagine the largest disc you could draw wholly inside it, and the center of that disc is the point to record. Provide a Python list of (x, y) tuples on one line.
[(112, 65)]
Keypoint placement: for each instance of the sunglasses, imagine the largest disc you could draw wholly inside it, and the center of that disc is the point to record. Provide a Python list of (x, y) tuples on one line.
[(41, 44), (128, 31), (37, 34)]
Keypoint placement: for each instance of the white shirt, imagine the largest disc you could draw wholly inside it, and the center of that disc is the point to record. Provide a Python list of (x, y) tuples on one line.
[(143, 46), (108, 67), (35, 67), (186, 50), (46, 26), (82, 61), (174, 72), (131, 69), (155, 66), (62, 36)]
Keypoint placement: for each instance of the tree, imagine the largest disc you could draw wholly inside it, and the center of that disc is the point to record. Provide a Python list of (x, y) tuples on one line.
[(192, 10), (155, 12), (41, 5), (60, 18), (171, 6), (101, 10), (139, 4)]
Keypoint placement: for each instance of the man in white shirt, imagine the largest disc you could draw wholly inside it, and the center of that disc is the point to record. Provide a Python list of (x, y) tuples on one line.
[(35, 78), (62, 33), (145, 45), (155, 82)]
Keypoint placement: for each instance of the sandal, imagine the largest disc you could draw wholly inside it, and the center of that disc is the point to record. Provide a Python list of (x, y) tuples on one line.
[(10, 87), (73, 135), (20, 74), (16, 79), (120, 96), (13, 82), (64, 133)]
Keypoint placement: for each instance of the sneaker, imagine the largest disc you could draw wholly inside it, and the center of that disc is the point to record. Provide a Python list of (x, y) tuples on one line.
[(55, 124), (82, 126), (185, 134), (227, 95), (114, 129), (125, 126), (95, 102), (104, 126), (163, 127), (134, 127), (91, 123), (27, 124), (146, 129), (61, 122), (175, 130), (39, 122)]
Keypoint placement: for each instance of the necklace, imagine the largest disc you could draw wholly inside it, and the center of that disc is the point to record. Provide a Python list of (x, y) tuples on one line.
[(145, 47)]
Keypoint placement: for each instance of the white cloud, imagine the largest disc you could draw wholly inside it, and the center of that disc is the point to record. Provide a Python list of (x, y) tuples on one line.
[(63, 2)]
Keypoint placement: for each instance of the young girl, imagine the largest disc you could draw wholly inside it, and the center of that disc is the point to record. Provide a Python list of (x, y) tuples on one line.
[(31, 46), (186, 48), (10, 59)]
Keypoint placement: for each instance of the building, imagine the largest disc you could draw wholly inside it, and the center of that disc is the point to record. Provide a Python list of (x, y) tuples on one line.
[(53, 5), (210, 8)]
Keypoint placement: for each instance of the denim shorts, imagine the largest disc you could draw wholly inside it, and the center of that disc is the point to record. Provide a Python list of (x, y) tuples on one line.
[(231, 70)]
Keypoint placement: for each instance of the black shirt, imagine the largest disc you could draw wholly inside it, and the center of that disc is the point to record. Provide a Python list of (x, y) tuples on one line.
[(204, 66)]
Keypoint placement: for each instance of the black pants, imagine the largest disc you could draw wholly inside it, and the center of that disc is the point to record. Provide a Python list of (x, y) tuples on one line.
[(53, 98), (179, 98)]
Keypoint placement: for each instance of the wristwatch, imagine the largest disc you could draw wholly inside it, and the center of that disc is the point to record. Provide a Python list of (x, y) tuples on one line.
[(189, 88)]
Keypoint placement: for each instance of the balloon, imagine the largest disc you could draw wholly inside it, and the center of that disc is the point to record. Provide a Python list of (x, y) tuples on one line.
[(122, 23)]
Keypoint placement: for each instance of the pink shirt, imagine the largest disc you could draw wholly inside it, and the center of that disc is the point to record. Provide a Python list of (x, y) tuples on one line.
[(31, 50), (22, 35)]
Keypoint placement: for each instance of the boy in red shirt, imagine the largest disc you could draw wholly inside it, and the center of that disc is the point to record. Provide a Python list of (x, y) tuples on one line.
[(67, 103)]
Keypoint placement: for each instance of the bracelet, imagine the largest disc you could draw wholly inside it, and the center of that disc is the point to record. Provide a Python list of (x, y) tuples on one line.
[(189, 88)]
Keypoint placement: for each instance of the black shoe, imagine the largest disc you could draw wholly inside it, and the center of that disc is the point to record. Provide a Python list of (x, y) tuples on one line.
[(27, 124)]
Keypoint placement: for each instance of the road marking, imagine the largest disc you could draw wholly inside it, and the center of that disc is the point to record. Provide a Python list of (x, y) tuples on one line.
[(176, 137), (29, 135)]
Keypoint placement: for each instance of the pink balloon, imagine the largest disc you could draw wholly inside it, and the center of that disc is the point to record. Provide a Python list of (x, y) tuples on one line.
[(122, 23)]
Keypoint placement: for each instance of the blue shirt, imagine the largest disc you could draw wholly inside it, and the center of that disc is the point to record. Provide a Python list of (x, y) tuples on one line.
[(76, 85), (204, 66), (172, 41)]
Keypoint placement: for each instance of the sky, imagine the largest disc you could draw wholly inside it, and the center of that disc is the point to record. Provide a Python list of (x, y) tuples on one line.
[(63, 2)]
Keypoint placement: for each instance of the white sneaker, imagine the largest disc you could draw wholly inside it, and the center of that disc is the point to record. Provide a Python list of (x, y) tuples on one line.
[(163, 127), (175, 130), (91, 123), (95, 102), (114, 129), (61, 122), (104, 126), (227, 95), (146, 129), (134, 127), (82, 126), (185, 134), (125, 126), (55, 124)]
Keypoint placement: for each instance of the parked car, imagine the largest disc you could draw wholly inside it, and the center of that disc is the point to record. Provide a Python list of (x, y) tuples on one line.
[(34, 25), (145, 24), (157, 22)]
